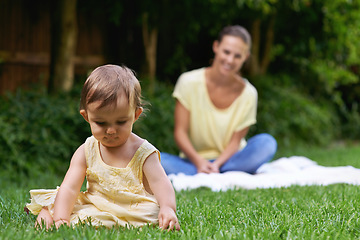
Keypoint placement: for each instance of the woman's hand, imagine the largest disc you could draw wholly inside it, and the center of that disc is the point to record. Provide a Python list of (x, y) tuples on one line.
[(206, 166), (168, 219)]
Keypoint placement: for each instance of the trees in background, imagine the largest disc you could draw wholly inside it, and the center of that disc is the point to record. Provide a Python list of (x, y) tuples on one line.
[(307, 45), (305, 64), (63, 45), (175, 36)]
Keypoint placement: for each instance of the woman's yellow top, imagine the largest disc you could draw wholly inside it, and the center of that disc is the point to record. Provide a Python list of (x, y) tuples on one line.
[(210, 128)]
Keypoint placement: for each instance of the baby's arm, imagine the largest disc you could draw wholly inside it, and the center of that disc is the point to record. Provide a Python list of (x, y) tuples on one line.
[(164, 193), (70, 188)]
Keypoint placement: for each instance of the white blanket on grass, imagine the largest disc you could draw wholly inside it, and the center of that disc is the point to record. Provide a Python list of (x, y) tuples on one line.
[(283, 172)]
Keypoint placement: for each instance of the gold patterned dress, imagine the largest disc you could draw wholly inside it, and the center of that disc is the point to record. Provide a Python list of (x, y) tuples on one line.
[(113, 196)]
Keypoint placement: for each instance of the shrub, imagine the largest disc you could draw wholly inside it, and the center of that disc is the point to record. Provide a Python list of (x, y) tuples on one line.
[(157, 124), (39, 132), (291, 116), (351, 127)]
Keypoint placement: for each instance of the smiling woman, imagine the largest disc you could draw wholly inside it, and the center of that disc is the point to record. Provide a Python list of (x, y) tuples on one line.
[(215, 107)]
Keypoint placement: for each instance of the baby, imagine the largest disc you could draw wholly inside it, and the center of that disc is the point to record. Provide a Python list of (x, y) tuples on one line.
[(126, 184)]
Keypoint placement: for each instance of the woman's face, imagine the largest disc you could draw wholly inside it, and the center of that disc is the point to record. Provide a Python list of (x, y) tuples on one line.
[(230, 54)]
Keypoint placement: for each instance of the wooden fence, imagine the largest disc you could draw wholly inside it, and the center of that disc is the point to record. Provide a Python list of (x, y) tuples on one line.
[(25, 43)]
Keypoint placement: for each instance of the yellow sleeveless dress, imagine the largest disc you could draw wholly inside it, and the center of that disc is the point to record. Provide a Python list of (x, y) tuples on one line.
[(113, 196)]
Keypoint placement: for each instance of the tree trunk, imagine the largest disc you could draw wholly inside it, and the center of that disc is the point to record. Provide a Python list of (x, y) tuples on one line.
[(63, 45), (150, 37), (260, 60), (255, 49), (269, 41)]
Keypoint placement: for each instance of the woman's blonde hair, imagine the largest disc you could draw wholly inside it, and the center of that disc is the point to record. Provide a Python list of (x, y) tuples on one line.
[(107, 83)]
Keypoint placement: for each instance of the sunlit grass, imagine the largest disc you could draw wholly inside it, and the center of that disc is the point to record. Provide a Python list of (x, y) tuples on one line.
[(311, 212)]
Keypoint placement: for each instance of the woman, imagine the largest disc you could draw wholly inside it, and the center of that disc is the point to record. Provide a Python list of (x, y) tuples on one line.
[(215, 108)]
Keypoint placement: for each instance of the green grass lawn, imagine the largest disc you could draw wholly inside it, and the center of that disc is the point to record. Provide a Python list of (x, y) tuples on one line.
[(313, 212)]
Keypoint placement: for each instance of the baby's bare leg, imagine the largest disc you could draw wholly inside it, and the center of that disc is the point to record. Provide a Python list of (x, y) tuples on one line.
[(44, 217)]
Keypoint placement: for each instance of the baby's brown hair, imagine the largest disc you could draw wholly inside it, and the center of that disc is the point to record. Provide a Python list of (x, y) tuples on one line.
[(107, 83)]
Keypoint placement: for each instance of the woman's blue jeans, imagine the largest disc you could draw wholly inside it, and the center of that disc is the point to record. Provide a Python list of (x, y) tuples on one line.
[(260, 149)]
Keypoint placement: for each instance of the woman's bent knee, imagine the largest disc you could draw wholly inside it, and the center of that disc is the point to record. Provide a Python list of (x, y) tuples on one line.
[(271, 143), (267, 142)]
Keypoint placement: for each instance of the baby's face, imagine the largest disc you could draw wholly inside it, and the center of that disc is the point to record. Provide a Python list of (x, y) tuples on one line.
[(111, 125)]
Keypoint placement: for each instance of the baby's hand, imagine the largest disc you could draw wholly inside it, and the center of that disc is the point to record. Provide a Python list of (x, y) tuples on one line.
[(60, 222), (44, 218), (168, 219)]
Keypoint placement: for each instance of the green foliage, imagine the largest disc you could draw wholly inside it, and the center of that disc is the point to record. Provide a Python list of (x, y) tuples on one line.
[(157, 124), (264, 7), (291, 116), (324, 50), (39, 132), (335, 52), (341, 26), (331, 74), (351, 127)]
